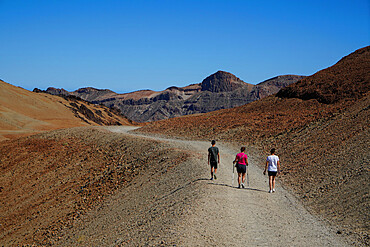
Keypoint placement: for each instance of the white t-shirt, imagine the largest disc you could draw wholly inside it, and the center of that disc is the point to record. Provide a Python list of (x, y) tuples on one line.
[(273, 160)]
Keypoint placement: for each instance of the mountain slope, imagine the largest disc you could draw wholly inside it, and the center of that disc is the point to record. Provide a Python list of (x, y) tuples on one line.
[(23, 112), (221, 90), (347, 79), (320, 127), (285, 111)]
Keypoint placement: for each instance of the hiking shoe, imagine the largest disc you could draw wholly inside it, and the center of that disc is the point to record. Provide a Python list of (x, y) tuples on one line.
[(211, 178), (270, 191), (273, 190), (243, 186), (215, 176), (239, 186)]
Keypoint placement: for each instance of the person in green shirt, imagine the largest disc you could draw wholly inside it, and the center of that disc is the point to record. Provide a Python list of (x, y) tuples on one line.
[(213, 159)]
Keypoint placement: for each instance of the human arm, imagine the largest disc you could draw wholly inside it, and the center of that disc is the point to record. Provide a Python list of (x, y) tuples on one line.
[(278, 167), (209, 157), (236, 159), (264, 172), (218, 156)]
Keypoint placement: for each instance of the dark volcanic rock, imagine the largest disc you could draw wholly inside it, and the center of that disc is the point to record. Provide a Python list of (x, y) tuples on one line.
[(57, 91), (92, 94), (222, 82), (221, 90), (87, 93)]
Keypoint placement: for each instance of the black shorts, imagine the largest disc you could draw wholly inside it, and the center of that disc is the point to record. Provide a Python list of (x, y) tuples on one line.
[(272, 173), (241, 168), (213, 163)]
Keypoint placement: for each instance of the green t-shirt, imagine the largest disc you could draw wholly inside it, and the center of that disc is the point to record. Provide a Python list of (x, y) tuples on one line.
[(213, 151)]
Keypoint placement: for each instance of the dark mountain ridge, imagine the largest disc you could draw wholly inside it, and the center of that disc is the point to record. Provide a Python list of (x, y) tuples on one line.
[(221, 90)]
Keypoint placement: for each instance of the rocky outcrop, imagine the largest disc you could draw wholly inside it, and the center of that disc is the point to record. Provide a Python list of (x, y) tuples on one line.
[(273, 85), (91, 94), (222, 82), (221, 90), (54, 91), (87, 93)]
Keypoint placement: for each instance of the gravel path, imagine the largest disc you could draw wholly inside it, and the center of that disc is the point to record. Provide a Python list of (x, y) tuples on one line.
[(182, 207)]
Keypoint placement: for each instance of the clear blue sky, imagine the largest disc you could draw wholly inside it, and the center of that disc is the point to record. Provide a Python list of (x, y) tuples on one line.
[(131, 45)]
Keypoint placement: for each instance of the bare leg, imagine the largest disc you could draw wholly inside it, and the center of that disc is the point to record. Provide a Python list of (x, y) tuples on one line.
[(273, 182), (243, 180), (239, 178), (270, 182)]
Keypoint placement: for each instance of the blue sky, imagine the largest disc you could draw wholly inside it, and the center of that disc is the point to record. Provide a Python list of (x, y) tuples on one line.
[(131, 45)]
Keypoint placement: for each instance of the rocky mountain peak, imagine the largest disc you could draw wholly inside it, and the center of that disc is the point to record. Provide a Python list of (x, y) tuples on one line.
[(57, 91), (221, 81), (93, 90)]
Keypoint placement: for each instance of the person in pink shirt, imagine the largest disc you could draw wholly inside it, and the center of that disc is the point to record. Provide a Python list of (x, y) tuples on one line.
[(241, 161)]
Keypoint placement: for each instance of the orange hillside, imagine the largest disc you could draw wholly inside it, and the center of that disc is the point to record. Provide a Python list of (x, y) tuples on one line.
[(23, 112)]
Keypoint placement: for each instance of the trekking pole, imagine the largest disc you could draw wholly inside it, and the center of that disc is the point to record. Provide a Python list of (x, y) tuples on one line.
[(232, 181), (247, 176)]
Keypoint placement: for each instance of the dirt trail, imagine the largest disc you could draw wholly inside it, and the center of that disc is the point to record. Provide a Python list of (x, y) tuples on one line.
[(182, 207)]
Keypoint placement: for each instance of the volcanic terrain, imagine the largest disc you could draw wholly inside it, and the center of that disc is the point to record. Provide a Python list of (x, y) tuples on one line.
[(101, 186), (23, 112), (320, 127), (221, 90)]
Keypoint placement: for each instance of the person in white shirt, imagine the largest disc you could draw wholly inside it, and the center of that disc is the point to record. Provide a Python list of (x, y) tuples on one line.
[(273, 168)]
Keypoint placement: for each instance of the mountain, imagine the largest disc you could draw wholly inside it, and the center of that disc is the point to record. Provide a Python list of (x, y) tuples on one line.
[(88, 93), (23, 112), (221, 90), (222, 82), (320, 127), (273, 85)]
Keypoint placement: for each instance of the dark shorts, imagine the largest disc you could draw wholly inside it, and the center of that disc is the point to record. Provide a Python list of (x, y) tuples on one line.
[(271, 173), (213, 164), (241, 168)]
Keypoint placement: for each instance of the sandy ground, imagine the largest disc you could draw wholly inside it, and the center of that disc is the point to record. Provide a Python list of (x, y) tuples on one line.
[(182, 207)]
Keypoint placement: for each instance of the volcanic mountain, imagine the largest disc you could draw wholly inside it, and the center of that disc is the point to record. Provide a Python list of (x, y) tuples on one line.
[(221, 90), (320, 127), (23, 112)]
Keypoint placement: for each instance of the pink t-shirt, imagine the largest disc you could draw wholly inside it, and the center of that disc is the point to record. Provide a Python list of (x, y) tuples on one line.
[(242, 158)]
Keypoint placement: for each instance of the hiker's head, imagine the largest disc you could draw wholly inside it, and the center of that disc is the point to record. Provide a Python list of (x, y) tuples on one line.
[(213, 142), (273, 151), (242, 149)]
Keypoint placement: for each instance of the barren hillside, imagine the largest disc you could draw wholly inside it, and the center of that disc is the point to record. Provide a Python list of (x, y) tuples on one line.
[(320, 126), (49, 180), (23, 112), (347, 82)]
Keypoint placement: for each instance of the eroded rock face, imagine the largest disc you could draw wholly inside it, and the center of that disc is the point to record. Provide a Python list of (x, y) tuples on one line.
[(221, 90), (222, 82), (55, 91)]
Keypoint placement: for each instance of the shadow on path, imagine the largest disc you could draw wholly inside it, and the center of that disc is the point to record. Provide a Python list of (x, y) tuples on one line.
[(183, 187), (227, 185), (211, 183)]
